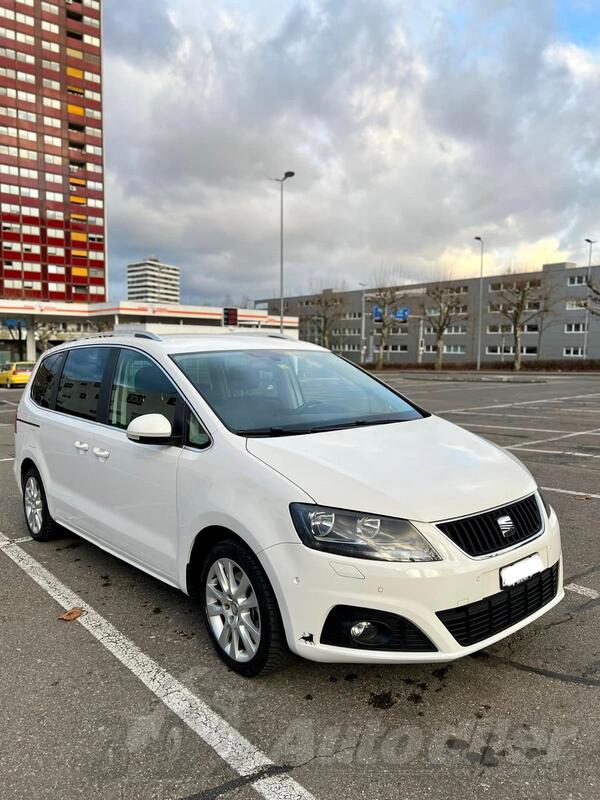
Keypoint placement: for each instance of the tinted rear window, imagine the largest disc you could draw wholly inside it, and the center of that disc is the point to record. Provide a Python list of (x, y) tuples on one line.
[(80, 381), (45, 380)]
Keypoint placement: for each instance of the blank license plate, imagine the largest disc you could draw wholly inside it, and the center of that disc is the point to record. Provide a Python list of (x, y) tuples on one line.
[(520, 571)]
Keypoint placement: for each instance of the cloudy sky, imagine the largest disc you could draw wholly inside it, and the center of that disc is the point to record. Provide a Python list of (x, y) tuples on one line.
[(412, 127)]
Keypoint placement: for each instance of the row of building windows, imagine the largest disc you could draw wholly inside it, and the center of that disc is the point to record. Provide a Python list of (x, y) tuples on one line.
[(56, 233), (54, 197), (52, 269), (51, 214), (36, 286), (51, 122), (75, 167)]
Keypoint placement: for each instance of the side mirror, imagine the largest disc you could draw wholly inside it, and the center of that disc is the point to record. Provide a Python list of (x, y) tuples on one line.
[(150, 429)]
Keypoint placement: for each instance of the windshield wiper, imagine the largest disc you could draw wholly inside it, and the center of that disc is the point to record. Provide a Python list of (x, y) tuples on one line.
[(355, 423), (283, 431), (272, 431)]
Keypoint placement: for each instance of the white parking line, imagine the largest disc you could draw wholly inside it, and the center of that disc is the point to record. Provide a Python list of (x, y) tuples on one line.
[(4, 542), (583, 590), (512, 428), (592, 432), (520, 403), (502, 414), (7, 459), (552, 452), (224, 739), (569, 491)]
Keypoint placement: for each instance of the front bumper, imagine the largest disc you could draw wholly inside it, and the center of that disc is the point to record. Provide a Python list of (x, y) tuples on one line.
[(308, 584)]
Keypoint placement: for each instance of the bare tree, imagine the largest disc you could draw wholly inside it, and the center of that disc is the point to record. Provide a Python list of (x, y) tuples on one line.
[(388, 299), (552, 294), (44, 332), (326, 310), (440, 309), (18, 331), (521, 301)]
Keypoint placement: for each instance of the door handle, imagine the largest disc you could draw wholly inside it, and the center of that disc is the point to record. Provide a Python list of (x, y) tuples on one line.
[(97, 451), (83, 447)]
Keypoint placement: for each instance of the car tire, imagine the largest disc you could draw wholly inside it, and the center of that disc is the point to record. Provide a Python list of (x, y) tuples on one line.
[(39, 523), (244, 624)]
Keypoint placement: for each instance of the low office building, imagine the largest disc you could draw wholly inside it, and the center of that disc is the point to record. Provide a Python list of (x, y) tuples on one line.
[(151, 281), (29, 328), (554, 319)]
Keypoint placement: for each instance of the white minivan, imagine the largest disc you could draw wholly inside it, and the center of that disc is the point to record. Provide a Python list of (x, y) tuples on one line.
[(309, 506)]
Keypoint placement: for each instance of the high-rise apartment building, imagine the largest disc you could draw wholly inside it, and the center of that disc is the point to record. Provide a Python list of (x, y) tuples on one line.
[(51, 156), (151, 281)]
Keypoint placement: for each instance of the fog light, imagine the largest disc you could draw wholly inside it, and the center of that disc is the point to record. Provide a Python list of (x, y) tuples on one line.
[(363, 631)]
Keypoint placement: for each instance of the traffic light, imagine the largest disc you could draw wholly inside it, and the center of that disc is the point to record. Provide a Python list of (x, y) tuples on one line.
[(230, 317)]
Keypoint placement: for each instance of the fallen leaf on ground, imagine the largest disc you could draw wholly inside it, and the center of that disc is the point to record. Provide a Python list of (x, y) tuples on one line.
[(73, 613)]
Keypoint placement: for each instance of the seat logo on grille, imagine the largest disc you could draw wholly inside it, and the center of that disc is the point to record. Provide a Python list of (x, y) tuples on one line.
[(506, 525)]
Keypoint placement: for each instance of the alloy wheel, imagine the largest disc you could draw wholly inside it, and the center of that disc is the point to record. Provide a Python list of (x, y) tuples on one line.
[(232, 610), (34, 505)]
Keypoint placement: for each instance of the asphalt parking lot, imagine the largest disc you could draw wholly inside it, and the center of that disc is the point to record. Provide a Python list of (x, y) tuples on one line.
[(131, 702)]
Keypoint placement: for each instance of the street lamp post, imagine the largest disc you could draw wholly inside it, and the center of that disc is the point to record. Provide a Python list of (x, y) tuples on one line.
[(281, 181), (362, 323), (591, 243), (480, 313)]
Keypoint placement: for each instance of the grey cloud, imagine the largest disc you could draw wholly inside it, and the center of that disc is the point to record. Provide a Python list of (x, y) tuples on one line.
[(409, 130), (139, 30)]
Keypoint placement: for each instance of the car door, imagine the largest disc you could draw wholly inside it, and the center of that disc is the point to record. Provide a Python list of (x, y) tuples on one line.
[(134, 509), (66, 435)]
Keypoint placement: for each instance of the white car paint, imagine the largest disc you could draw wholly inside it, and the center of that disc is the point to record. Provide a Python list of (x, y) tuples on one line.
[(147, 503)]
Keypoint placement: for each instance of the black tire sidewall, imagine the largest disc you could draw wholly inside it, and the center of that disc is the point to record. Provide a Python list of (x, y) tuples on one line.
[(239, 553)]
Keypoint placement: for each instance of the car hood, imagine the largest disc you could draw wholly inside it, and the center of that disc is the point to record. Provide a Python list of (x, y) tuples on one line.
[(425, 470)]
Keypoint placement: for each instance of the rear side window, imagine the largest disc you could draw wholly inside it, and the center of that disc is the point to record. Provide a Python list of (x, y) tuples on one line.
[(45, 380), (80, 381), (139, 387)]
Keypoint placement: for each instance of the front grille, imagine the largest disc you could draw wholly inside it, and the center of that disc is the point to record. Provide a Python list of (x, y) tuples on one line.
[(481, 535), (401, 634), (478, 621)]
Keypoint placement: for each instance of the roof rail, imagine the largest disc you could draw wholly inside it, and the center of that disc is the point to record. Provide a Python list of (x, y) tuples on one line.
[(129, 332), (268, 334)]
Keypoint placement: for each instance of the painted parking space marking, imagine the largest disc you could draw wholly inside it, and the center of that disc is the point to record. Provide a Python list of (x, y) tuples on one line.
[(513, 428), (520, 403), (571, 492), (7, 459), (592, 594), (5, 542), (242, 756), (592, 432), (573, 453)]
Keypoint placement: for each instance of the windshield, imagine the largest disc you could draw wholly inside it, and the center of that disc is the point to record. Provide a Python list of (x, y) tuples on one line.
[(285, 392), (24, 366)]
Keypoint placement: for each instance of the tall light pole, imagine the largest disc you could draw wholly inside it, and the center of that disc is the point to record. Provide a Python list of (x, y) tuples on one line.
[(362, 323), (480, 314), (281, 181), (591, 243)]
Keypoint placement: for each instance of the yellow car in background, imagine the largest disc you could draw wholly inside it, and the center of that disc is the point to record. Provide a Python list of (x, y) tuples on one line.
[(15, 373)]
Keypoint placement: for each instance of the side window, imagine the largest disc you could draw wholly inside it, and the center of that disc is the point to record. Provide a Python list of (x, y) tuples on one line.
[(80, 381), (139, 387), (196, 435), (45, 380)]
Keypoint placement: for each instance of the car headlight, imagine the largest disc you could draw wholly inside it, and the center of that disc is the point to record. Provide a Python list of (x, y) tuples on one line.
[(350, 533), (546, 504)]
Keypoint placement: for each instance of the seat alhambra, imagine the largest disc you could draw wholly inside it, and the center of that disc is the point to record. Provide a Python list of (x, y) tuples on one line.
[(307, 505)]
